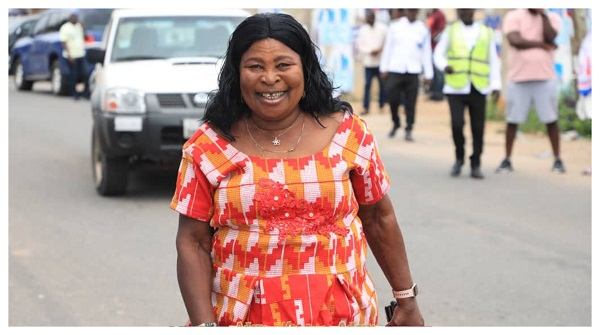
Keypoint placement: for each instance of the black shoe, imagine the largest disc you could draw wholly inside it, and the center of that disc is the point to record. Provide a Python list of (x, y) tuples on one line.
[(436, 97), (455, 172), (558, 166), (393, 132), (476, 173), (408, 137), (505, 167)]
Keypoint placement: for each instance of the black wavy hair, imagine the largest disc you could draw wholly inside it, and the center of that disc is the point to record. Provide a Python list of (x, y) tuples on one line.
[(225, 105)]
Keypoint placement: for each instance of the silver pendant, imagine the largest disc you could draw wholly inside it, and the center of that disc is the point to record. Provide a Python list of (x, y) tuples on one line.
[(276, 142)]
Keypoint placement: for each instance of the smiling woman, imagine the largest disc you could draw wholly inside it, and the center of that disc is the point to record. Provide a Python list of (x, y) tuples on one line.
[(272, 83), (281, 192)]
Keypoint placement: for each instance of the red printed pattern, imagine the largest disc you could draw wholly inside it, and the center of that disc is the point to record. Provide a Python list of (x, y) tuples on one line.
[(289, 246)]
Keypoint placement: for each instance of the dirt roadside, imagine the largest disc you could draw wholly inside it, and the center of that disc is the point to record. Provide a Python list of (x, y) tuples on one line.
[(433, 140)]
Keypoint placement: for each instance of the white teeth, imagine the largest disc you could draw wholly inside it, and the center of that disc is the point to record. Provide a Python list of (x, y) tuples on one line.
[(271, 96)]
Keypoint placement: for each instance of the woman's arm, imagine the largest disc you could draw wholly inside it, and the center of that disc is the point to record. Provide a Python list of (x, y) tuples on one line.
[(194, 268), (387, 244)]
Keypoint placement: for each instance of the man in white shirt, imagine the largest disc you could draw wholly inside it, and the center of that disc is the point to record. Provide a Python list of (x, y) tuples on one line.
[(406, 54), (72, 37), (371, 36), (466, 52)]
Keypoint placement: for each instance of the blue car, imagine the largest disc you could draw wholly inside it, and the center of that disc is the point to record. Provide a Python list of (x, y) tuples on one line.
[(38, 57)]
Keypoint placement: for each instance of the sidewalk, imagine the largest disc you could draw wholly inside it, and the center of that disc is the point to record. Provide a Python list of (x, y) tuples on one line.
[(532, 153)]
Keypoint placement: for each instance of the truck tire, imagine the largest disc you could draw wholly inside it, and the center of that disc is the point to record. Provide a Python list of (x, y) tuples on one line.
[(60, 84), (110, 174), (21, 83)]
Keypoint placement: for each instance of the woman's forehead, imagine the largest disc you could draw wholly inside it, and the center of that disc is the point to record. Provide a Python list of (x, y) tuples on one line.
[(271, 47)]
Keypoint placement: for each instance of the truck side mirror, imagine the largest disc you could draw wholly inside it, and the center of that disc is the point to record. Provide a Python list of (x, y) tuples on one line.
[(95, 55)]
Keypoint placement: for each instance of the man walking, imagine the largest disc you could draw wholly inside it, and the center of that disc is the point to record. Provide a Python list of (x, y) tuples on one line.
[(531, 77), (467, 53), (371, 36), (72, 37), (406, 54)]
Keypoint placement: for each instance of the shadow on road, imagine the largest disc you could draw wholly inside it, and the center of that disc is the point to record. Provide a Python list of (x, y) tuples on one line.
[(151, 182)]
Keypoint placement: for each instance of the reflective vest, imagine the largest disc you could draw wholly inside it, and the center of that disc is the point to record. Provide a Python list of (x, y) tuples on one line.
[(468, 64)]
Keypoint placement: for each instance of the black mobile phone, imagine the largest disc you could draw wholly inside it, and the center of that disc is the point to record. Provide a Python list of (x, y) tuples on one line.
[(389, 310)]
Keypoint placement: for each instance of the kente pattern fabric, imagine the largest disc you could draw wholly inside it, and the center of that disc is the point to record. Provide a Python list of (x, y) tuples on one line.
[(289, 248)]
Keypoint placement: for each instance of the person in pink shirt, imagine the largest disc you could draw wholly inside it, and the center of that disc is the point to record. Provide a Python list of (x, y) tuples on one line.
[(531, 77)]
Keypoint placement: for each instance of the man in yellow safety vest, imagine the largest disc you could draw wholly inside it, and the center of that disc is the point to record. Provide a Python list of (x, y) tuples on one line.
[(466, 52)]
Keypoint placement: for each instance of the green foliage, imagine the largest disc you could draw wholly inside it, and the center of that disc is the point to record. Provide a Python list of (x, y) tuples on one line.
[(493, 110)]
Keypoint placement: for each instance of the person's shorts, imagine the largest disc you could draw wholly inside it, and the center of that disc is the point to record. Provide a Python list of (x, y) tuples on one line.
[(542, 94)]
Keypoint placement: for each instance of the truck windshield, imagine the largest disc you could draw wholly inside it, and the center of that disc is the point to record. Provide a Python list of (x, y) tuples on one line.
[(168, 37)]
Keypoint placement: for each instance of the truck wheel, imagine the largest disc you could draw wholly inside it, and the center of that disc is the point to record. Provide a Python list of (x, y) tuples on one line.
[(60, 84), (110, 174), (21, 83)]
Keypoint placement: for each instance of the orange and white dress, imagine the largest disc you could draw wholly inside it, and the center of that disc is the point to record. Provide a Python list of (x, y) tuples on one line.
[(289, 248)]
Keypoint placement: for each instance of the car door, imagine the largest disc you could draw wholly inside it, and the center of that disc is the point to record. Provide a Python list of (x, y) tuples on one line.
[(44, 47)]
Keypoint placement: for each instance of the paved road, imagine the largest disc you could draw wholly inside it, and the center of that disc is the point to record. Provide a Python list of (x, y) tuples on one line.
[(491, 252), (511, 250)]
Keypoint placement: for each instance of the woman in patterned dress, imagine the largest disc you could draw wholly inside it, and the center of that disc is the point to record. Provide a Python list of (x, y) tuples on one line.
[(281, 192)]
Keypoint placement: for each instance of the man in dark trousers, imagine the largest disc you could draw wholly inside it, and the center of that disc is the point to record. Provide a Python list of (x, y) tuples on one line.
[(467, 53), (369, 42), (72, 37), (406, 55)]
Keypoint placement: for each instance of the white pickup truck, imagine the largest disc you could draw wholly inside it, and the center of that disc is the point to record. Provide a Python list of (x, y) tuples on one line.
[(154, 72)]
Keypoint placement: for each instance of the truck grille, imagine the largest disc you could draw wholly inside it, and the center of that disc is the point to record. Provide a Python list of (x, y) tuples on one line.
[(171, 100), (172, 136)]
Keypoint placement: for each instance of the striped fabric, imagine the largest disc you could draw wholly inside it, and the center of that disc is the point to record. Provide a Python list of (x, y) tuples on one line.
[(289, 248)]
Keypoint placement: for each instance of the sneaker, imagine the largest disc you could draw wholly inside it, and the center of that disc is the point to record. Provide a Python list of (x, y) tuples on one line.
[(455, 172), (558, 166), (476, 173), (505, 167), (408, 137)]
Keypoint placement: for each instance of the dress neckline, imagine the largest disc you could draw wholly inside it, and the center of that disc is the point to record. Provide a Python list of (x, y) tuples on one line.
[(230, 147)]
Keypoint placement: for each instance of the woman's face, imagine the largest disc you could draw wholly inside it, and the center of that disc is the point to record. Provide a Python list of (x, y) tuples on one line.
[(271, 79)]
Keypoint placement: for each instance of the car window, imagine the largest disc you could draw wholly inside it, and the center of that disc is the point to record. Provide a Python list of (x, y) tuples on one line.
[(40, 26), (26, 27), (95, 19), (167, 37), (56, 19)]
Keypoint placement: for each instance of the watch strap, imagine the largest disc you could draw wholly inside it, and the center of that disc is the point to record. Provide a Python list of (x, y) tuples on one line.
[(411, 292)]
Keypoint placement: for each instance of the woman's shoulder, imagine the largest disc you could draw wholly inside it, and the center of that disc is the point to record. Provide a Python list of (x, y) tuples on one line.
[(351, 125), (205, 138)]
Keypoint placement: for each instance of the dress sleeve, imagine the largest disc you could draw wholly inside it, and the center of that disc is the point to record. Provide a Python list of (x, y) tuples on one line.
[(369, 180), (193, 193)]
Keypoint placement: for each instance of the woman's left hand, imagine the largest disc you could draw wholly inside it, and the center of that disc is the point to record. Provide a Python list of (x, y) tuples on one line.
[(407, 313)]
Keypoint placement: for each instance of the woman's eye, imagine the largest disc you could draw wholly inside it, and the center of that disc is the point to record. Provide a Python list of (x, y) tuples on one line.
[(283, 65)]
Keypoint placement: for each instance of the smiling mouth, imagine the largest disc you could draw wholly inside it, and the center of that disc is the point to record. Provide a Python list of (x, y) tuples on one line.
[(271, 96)]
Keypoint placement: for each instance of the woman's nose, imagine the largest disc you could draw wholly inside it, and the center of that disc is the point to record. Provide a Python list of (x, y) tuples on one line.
[(270, 77)]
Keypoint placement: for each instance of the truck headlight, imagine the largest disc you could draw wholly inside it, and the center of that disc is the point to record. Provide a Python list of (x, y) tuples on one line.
[(124, 100)]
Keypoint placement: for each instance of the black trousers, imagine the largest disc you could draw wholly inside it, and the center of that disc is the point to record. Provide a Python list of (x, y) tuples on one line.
[(402, 88), (476, 102)]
